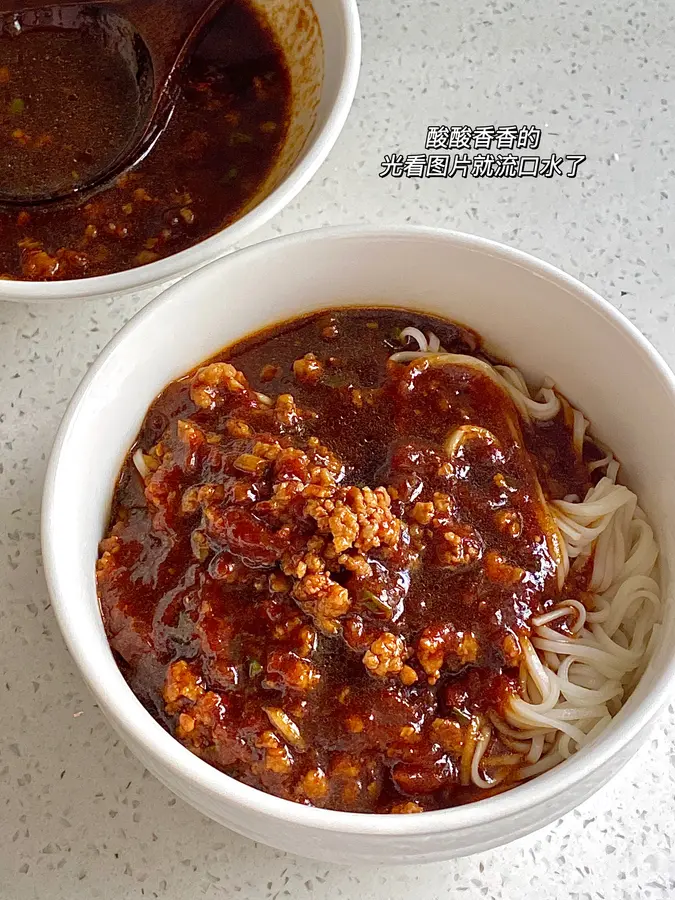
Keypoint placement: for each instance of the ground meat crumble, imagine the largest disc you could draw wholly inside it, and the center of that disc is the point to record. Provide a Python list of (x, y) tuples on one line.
[(315, 615)]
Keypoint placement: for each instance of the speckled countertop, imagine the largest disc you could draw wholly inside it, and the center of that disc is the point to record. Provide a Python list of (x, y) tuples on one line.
[(79, 817)]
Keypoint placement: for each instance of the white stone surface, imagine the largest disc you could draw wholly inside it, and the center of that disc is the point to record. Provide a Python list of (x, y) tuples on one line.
[(79, 818)]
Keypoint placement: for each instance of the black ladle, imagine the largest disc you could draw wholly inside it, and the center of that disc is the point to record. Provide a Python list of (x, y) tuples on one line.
[(155, 38)]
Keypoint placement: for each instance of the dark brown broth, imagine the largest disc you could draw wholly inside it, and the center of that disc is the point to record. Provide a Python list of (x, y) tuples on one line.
[(226, 131), (212, 624), (50, 98)]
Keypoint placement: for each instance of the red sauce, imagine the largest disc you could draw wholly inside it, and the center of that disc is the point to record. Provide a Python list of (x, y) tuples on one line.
[(311, 595), (66, 105)]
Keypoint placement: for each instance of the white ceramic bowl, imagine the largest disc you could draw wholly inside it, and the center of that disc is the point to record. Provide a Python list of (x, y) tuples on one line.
[(530, 313), (323, 56)]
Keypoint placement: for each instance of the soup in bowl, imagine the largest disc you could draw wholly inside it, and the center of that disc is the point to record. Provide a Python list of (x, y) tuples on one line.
[(259, 104), (369, 573)]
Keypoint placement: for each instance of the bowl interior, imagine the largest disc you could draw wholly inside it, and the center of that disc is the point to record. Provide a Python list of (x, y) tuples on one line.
[(321, 41), (529, 313), (296, 27)]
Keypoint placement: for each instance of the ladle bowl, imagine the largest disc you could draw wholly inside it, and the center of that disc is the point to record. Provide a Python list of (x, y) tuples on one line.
[(153, 38)]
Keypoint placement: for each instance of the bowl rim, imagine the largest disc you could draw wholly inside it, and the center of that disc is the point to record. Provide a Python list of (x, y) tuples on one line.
[(319, 144), (128, 714)]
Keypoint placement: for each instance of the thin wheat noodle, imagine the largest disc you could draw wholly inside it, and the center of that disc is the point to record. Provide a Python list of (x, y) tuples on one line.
[(572, 680), (139, 461)]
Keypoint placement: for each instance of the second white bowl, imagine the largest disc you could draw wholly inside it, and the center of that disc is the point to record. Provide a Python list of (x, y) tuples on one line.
[(323, 59)]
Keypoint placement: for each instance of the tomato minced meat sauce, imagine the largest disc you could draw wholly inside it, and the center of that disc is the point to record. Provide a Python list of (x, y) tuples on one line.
[(303, 589), (65, 102)]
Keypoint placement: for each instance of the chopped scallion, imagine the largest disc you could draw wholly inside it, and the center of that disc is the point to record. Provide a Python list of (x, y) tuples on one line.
[(376, 604), (463, 717), (254, 668)]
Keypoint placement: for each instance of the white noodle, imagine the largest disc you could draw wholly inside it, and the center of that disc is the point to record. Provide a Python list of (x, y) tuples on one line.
[(465, 433), (264, 399), (419, 338), (434, 344), (138, 460), (610, 641), (572, 682), (482, 743)]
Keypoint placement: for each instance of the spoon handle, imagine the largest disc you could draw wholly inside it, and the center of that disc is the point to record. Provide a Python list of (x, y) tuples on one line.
[(169, 31)]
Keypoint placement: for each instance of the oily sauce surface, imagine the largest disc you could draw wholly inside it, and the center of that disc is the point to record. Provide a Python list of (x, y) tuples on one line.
[(307, 591), (47, 94), (226, 130)]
